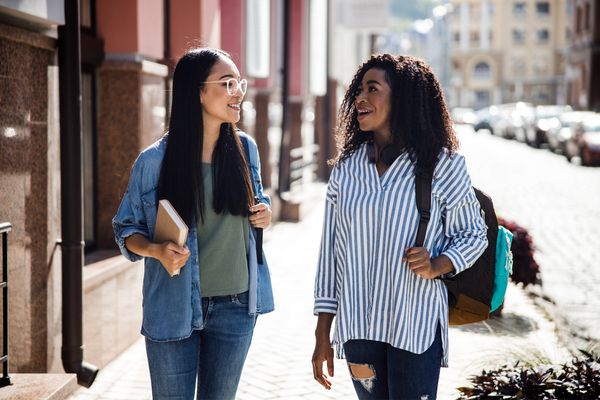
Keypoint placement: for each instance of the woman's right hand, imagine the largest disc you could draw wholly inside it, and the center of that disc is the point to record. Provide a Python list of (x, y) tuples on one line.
[(323, 351), (172, 256)]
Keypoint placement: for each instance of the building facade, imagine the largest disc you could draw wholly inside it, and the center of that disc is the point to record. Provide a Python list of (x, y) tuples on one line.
[(583, 69), (506, 51)]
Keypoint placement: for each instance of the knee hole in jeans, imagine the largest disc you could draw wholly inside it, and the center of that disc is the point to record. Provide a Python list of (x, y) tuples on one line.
[(361, 371), (364, 374)]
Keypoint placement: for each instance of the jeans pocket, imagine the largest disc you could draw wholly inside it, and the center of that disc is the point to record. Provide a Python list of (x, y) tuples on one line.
[(240, 299)]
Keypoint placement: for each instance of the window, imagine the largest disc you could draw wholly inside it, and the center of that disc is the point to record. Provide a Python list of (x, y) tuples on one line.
[(518, 36), (482, 99), (519, 9), (456, 36), (481, 71), (474, 38), (542, 8), (543, 35), (578, 17), (587, 15)]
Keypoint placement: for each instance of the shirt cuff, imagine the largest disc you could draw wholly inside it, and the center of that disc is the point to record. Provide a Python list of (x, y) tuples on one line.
[(458, 262), (124, 234), (325, 305)]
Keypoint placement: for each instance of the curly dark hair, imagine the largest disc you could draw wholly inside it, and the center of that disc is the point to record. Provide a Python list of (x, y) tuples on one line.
[(419, 116)]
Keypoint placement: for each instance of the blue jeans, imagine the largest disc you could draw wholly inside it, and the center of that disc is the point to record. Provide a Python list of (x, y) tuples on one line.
[(392, 373), (214, 355)]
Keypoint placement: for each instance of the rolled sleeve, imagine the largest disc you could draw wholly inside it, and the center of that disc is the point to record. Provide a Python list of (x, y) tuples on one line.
[(326, 276), (130, 218)]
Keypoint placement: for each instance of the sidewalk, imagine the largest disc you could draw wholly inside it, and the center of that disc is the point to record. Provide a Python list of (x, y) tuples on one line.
[(278, 365)]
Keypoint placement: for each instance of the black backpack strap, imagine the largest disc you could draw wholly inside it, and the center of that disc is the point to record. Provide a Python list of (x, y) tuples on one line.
[(423, 181), (259, 231)]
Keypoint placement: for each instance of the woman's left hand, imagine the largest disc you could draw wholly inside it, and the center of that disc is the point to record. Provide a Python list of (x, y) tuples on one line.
[(261, 215), (419, 261)]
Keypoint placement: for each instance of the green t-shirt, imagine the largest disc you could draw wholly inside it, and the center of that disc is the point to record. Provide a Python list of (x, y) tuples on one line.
[(222, 247)]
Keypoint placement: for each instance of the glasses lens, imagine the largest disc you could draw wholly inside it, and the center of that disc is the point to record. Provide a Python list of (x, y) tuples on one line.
[(233, 86)]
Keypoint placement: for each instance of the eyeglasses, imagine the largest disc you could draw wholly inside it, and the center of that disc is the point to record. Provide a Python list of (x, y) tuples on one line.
[(233, 85)]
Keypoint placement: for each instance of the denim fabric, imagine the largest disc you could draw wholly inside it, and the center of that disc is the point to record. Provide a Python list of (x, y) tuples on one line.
[(214, 355), (397, 374), (171, 306)]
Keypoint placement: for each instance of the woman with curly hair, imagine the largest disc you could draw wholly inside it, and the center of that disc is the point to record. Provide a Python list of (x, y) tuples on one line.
[(392, 312)]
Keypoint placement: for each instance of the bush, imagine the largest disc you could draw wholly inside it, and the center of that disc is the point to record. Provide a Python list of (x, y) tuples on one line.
[(578, 379), (525, 270)]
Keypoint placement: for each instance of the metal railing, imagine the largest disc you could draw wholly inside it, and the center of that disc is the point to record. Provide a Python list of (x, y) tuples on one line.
[(5, 227)]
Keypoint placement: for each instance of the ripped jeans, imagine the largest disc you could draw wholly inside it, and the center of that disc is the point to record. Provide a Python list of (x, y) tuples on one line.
[(381, 371)]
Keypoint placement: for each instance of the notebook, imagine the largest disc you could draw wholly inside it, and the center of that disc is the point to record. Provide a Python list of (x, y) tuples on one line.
[(169, 225)]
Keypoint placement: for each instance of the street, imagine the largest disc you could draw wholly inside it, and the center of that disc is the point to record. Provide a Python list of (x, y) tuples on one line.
[(559, 203)]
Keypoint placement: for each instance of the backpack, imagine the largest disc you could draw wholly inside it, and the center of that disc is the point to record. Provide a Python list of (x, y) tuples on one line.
[(479, 290)]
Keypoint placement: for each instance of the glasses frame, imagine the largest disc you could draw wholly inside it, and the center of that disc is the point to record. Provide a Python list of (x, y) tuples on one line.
[(239, 84)]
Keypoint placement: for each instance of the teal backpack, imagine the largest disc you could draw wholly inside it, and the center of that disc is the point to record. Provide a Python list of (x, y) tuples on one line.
[(479, 290)]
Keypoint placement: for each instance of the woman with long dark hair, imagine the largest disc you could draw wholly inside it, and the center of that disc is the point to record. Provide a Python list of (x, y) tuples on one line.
[(200, 300), (391, 313)]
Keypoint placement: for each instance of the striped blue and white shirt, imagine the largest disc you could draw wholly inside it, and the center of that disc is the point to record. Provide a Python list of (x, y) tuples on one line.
[(370, 221)]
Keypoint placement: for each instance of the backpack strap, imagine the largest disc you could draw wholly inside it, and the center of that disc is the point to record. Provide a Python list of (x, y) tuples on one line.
[(259, 231), (423, 179)]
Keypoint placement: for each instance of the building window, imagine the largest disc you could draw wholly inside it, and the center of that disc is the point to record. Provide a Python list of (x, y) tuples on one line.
[(543, 35), (518, 36), (578, 17), (482, 98), (519, 9), (540, 94), (587, 15), (456, 36), (474, 38), (482, 71), (542, 8)]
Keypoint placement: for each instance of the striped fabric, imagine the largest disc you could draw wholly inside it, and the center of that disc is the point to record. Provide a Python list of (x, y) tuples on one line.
[(370, 221)]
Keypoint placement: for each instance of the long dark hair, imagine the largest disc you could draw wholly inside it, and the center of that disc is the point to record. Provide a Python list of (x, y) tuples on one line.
[(419, 117), (181, 172)]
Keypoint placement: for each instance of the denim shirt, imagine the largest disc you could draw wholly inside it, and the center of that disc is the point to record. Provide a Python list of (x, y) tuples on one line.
[(172, 306)]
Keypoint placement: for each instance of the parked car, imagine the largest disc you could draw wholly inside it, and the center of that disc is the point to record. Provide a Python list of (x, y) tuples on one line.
[(511, 119), (462, 115), (557, 138), (546, 118), (485, 116), (587, 137)]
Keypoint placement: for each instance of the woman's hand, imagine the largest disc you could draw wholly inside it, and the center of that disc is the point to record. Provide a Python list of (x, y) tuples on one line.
[(261, 215), (323, 351), (420, 263), (172, 256)]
